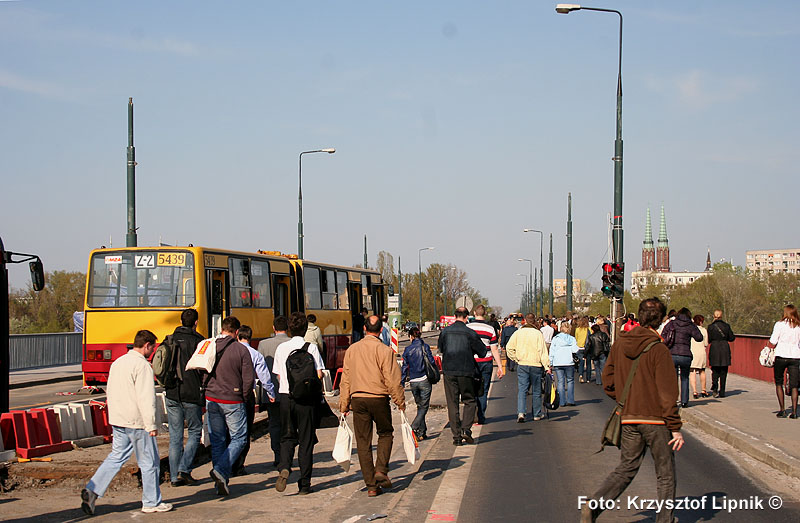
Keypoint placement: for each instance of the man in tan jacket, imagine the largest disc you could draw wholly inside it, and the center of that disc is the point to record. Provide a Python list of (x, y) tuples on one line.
[(370, 375), (528, 349)]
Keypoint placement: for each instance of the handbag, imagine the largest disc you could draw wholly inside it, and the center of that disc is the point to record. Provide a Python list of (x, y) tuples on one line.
[(612, 432), (431, 370), (204, 356), (410, 445), (343, 448), (767, 357), (575, 358)]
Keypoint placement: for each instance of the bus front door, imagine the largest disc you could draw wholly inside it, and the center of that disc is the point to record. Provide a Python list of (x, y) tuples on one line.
[(280, 295)]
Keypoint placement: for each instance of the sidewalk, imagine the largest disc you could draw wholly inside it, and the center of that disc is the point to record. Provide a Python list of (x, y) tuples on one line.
[(43, 375), (745, 419)]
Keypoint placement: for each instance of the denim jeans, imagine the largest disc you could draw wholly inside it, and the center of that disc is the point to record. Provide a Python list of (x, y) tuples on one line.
[(180, 458), (225, 419), (633, 446), (565, 384), (125, 442), (682, 364), (599, 365), (529, 376), (485, 368), (581, 361), (421, 390)]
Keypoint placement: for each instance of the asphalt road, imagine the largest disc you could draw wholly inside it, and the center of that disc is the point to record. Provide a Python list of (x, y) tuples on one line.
[(535, 471)]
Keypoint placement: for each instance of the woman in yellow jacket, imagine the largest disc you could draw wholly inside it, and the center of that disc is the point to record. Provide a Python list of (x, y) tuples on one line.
[(584, 364), (527, 348)]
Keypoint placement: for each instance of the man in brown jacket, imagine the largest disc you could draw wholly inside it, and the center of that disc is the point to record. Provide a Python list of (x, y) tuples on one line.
[(650, 416), (370, 375)]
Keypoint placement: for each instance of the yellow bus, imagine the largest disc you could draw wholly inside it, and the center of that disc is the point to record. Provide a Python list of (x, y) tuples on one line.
[(128, 289)]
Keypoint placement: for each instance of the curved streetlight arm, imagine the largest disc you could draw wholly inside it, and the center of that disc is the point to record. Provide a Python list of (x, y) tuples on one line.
[(329, 150)]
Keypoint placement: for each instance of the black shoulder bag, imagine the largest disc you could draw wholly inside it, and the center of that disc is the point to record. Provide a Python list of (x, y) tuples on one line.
[(612, 432)]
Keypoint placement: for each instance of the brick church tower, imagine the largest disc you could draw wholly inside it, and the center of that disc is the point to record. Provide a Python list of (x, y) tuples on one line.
[(648, 250), (662, 246)]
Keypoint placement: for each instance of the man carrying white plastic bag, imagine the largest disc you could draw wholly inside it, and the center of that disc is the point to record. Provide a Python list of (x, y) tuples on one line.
[(370, 375), (343, 447)]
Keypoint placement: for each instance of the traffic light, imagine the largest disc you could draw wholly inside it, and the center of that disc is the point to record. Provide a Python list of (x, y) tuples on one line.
[(613, 280)]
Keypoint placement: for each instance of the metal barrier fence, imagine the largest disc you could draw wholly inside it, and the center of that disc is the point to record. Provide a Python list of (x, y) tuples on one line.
[(44, 350)]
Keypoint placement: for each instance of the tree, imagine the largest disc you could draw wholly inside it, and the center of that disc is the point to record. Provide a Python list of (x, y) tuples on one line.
[(49, 310)]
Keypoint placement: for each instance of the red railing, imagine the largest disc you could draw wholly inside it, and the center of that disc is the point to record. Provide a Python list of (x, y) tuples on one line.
[(744, 357)]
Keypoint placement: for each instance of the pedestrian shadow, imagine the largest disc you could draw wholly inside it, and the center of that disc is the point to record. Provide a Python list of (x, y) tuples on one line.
[(503, 434), (562, 414)]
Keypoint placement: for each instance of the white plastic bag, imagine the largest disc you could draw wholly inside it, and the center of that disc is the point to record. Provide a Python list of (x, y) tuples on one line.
[(410, 444), (204, 356), (343, 447), (767, 357)]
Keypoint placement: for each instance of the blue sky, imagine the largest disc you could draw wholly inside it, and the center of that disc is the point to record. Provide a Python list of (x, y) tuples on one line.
[(456, 124)]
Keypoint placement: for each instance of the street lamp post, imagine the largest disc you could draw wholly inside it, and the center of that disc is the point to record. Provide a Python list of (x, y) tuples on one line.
[(540, 310), (617, 232), (530, 280), (419, 259), (300, 198)]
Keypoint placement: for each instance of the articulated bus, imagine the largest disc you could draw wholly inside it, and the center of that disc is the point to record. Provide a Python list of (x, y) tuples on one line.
[(129, 289)]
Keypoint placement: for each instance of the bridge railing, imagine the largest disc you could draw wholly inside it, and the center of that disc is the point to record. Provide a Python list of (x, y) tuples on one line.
[(744, 357), (44, 350)]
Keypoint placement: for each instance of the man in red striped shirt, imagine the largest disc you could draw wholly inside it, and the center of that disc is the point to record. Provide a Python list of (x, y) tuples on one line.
[(488, 335)]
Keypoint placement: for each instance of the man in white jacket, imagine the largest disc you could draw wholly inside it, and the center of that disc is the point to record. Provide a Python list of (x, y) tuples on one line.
[(131, 400)]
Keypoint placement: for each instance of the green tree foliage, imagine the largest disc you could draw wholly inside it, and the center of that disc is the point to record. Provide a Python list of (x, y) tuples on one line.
[(442, 283), (751, 303), (49, 310)]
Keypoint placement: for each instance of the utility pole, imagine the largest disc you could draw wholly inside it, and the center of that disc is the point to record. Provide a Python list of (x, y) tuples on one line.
[(365, 252), (130, 238), (551, 274), (400, 288), (569, 252)]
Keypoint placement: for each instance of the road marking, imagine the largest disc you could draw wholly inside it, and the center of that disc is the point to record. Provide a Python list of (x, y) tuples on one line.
[(447, 502)]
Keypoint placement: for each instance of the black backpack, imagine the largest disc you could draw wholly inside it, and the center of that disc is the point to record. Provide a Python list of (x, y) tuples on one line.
[(305, 387), (164, 363)]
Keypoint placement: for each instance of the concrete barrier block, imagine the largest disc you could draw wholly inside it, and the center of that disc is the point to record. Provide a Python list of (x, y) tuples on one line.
[(327, 383), (82, 415), (66, 418)]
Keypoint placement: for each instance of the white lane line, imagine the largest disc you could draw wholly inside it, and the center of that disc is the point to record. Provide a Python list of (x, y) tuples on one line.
[(447, 501)]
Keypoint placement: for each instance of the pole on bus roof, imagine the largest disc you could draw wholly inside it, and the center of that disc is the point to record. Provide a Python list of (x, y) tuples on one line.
[(365, 252), (130, 237), (5, 367)]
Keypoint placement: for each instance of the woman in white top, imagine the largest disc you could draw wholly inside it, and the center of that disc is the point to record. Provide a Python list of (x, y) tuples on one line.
[(786, 341), (699, 359)]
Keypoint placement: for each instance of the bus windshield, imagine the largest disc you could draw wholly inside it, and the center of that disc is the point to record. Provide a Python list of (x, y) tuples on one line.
[(141, 279)]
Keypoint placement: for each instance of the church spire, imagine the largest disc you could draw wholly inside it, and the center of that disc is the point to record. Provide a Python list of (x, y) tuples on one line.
[(648, 231), (648, 252), (708, 260), (662, 231)]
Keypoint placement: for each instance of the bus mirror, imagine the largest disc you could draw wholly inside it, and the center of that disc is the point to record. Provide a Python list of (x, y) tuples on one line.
[(37, 274)]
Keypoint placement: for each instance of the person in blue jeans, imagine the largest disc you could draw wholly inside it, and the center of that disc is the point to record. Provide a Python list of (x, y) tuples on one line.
[(562, 348), (678, 335), (131, 404), (598, 345), (413, 371), (185, 402), (488, 336), (232, 377), (526, 347)]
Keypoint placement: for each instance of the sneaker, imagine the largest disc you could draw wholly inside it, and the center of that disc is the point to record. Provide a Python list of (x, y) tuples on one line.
[(716, 394), (468, 439), (219, 482), (178, 483), (88, 499), (280, 483), (580, 379), (374, 492), (520, 418), (538, 418), (383, 480), (187, 478), (161, 507)]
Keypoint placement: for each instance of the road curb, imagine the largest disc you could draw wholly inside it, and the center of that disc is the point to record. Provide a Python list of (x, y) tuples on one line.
[(34, 383), (754, 447)]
